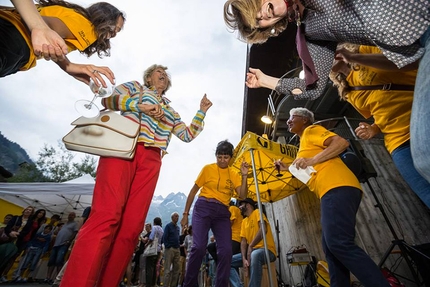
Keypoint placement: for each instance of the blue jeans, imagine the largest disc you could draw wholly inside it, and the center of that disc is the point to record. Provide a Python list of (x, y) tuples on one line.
[(420, 117), (338, 217), (402, 158), (216, 216), (32, 257), (258, 259), (57, 255)]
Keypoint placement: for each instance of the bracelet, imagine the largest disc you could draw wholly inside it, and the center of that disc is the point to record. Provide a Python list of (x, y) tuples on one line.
[(186, 213)]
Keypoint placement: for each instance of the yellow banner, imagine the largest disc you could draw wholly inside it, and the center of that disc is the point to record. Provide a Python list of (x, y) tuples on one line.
[(272, 185)]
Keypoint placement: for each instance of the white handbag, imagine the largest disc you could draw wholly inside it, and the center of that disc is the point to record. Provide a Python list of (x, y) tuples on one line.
[(109, 134), (152, 248)]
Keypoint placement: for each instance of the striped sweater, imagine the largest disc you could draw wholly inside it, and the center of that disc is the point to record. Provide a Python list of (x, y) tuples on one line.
[(153, 132)]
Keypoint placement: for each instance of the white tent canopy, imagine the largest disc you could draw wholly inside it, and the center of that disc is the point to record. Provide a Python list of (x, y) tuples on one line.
[(56, 198)]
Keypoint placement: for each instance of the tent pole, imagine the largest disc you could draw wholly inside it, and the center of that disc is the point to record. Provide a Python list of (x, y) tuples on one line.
[(260, 207)]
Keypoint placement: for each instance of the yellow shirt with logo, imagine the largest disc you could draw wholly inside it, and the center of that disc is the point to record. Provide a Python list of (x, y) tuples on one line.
[(235, 217), (250, 227), (331, 173), (78, 25), (218, 183), (391, 109)]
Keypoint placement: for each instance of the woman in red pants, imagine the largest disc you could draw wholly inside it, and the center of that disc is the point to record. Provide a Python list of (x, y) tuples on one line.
[(124, 188)]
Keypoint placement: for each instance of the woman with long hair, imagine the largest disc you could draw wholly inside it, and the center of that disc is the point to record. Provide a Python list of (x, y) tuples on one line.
[(37, 219), (363, 87), (401, 30), (88, 30)]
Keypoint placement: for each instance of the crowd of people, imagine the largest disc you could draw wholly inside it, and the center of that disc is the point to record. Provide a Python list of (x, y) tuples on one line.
[(385, 76), (32, 238)]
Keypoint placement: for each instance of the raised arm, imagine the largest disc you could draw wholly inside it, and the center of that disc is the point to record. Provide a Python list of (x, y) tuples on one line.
[(374, 60), (242, 190), (322, 54), (188, 133)]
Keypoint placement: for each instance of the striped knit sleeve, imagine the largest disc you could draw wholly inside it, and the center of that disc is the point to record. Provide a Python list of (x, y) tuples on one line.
[(188, 133), (124, 98)]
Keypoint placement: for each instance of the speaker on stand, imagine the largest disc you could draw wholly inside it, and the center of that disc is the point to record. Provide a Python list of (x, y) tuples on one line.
[(362, 167)]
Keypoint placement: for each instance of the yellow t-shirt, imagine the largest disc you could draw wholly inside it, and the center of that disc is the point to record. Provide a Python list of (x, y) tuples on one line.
[(249, 229), (331, 173), (218, 183), (237, 218), (80, 27), (391, 110)]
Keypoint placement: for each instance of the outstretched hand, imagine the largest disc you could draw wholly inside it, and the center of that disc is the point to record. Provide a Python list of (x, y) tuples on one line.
[(48, 44), (254, 77), (85, 72)]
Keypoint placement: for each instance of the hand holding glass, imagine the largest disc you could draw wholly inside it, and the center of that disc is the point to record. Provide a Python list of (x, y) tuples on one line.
[(87, 108)]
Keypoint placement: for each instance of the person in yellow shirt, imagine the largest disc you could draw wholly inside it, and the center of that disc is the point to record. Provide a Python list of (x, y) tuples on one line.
[(45, 41), (340, 194), (88, 30), (217, 183), (361, 83), (253, 254)]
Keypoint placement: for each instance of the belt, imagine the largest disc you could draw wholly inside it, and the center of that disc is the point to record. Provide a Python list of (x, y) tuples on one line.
[(385, 87)]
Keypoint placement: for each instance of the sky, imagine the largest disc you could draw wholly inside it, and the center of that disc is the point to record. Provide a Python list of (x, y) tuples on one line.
[(187, 36)]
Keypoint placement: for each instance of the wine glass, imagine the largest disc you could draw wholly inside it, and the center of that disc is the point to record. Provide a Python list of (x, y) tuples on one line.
[(278, 168), (89, 109)]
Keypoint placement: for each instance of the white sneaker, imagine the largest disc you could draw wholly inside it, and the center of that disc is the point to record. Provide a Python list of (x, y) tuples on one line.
[(3, 279)]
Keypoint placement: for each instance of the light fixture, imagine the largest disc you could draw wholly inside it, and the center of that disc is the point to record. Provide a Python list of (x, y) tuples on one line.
[(266, 119)]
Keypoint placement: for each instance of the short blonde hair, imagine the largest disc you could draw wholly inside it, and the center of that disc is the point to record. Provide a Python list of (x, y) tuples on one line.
[(148, 73), (241, 15), (303, 112)]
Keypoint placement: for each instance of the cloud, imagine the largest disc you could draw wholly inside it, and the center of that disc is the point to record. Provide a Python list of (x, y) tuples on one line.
[(189, 37)]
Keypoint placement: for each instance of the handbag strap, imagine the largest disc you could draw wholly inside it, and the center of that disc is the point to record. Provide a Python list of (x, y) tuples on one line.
[(140, 101), (385, 87)]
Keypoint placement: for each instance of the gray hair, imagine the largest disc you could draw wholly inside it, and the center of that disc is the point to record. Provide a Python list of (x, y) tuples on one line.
[(303, 112), (148, 73)]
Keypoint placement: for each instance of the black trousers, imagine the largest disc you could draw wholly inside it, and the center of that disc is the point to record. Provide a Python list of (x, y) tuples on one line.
[(14, 51)]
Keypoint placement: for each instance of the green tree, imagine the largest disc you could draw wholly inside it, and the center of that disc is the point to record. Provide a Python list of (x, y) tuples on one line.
[(56, 165)]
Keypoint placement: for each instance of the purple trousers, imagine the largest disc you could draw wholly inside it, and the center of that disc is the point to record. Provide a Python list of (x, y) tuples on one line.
[(210, 214)]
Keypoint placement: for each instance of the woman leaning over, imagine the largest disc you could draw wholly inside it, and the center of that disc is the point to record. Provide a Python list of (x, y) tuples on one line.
[(402, 34), (124, 188), (340, 197), (88, 30), (360, 83), (217, 183)]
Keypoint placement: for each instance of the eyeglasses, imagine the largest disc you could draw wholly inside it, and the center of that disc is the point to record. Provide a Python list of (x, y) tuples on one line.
[(295, 116)]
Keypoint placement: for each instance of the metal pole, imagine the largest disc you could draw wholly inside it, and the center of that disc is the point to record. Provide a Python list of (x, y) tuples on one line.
[(260, 207)]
